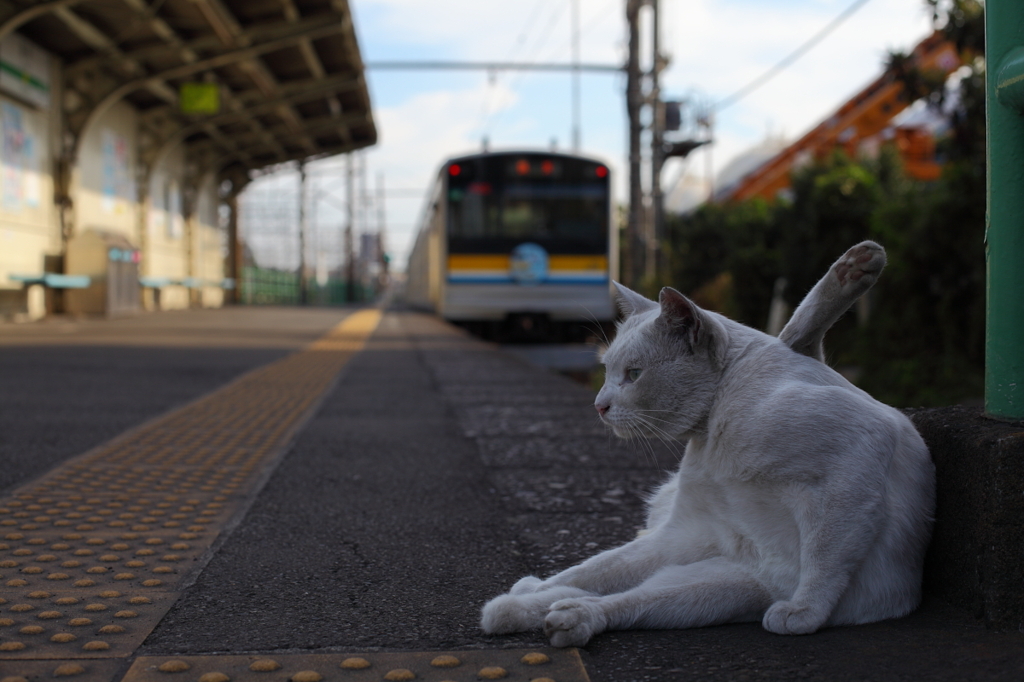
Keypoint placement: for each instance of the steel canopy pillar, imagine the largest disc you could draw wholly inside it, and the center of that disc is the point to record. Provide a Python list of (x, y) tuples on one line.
[(1004, 233)]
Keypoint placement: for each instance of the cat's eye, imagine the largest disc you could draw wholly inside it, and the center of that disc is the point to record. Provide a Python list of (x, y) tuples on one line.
[(633, 374)]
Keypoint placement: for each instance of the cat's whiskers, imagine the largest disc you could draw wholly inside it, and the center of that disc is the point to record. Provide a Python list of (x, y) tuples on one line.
[(655, 432), (669, 440), (636, 426), (634, 435), (649, 417), (658, 431), (648, 449), (600, 329)]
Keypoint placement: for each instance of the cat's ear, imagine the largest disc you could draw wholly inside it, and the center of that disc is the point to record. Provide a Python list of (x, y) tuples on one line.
[(631, 303), (682, 315)]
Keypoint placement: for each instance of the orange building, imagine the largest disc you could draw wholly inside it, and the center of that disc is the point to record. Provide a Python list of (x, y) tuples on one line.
[(864, 116)]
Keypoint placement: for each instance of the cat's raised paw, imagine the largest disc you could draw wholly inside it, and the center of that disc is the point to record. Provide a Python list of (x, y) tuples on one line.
[(860, 266), (789, 618), (572, 622)]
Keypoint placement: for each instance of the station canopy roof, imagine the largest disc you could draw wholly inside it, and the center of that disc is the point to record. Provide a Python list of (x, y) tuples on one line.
[(242, 84)]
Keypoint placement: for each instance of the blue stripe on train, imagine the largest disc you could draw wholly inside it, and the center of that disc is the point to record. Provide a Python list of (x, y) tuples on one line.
[(509, 280)]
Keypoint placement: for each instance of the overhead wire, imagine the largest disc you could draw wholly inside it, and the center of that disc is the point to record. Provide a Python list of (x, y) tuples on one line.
[(521, 40), (583, 31), (485, 105), (599, 17), (786, 61), (495, 117), (539, 45)]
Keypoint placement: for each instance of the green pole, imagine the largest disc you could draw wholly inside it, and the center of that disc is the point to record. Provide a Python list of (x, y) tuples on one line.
[(1004, 233)]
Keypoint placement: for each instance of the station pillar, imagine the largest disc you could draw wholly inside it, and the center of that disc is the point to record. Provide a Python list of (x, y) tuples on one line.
[(1004, 231)]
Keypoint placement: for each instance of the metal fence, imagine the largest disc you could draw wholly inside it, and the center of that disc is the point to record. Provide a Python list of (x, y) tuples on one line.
[(267, 286)]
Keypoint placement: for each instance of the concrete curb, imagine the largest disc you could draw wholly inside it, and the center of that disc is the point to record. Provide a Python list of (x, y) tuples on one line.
[(976, 558)]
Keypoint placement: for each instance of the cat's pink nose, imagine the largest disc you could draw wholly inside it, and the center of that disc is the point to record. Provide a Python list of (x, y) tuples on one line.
[(601, 409)]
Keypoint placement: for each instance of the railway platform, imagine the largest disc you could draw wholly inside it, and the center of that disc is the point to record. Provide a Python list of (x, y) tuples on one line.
[(315, 495)]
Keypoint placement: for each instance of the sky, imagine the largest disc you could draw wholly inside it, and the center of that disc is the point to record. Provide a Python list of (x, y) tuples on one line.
[(715, 48)]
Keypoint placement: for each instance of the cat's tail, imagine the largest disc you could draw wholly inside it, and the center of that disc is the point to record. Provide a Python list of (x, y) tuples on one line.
[(848, 279)]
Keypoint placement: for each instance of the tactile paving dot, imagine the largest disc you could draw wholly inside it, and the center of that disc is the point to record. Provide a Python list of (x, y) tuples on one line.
[(73, 624), (93, 670), (90, 558), (554, 665), (92, 554)]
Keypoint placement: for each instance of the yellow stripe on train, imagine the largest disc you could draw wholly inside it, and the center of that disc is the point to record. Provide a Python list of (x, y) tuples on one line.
[(462, 261)]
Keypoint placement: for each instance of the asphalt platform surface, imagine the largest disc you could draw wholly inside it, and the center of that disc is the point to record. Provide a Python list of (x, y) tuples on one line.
[(437, 472)]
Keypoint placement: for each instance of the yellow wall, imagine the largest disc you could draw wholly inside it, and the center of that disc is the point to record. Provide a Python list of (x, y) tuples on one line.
[(166, 246), (171, 239), (105, 197), (208, 247)]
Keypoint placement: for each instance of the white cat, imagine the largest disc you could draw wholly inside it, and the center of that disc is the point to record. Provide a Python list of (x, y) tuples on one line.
[(800, 502)]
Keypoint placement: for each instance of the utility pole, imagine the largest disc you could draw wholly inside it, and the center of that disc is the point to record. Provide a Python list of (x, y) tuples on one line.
[(350, 260), (235, 252), (657, 221), (646, 229), (320, 261), (362, 220), (634, 102), (381, 230), (303, 293)]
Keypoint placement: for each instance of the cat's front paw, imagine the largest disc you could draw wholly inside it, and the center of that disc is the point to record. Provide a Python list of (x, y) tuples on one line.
[(860, 267), (572, 622), (790, 618), (527, 585), (509, 613)]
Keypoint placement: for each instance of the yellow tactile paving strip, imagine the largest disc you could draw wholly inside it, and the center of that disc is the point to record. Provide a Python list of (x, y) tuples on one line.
[(92, 554), (533, 665)]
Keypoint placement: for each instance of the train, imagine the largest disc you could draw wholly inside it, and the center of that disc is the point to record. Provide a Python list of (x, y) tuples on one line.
[(518, 245)]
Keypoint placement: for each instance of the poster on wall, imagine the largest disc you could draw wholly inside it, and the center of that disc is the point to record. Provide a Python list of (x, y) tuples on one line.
[(117, 178), (25, 70), (19, 176)]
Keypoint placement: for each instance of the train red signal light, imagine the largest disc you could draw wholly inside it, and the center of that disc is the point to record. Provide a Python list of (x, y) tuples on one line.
[(547, 167), (522, 166), (601, 171), (454, 169)]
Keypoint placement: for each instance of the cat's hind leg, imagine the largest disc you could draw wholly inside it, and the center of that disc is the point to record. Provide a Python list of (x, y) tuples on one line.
[(854, 273), (709, 592)]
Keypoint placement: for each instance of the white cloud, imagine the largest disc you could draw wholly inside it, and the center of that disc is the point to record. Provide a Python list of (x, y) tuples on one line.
[(489, 30)]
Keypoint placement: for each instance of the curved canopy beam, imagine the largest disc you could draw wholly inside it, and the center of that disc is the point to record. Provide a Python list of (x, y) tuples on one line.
[(78, 124), (19, 19), (289, 76)]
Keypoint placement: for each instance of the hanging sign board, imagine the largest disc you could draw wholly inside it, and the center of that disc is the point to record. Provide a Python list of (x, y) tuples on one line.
[(199, 98), (25, 70)]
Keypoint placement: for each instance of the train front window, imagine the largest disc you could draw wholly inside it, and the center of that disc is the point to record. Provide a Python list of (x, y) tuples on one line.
[(490, 212), (519, 220)]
